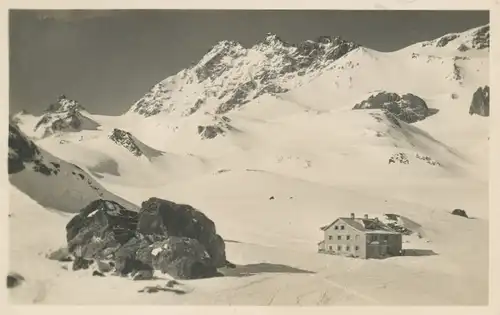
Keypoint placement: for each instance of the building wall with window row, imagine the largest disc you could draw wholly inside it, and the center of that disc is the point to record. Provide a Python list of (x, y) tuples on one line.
[(342, 239)]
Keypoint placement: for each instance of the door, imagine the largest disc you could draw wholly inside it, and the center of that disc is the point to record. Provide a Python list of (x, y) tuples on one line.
[(383, 250)]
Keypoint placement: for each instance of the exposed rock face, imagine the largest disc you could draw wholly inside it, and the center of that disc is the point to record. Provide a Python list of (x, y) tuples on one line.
[(239, 97), (427, 159), (173, 238), (480, 104), (481, 38), (162, 217), (233, 75), (214, 66), (395, 222), (463, 48), (14, 280), (443, 41), (408, 107), (210, 132), (100, 229), (126, 140), (401, 158), (134, 255), (21, 150), (219, 128), (460, 212), (64, 116), (182, 258), (478, 38)]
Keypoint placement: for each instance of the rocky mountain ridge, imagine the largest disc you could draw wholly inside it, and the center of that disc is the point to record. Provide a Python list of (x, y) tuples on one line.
[(476, 38), (229, 75), (65, 115)]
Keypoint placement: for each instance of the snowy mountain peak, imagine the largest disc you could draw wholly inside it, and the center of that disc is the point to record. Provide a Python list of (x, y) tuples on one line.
[(229, 75), (64, 116), (271, 41), (64, 104)]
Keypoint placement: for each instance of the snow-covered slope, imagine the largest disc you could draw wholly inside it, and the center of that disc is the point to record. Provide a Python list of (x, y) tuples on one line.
[(50, 181), (277, 120), (475, 41), (273, 243)]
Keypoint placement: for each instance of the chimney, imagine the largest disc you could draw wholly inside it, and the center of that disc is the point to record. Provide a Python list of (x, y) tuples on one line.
[(366, 216), (352, 216)]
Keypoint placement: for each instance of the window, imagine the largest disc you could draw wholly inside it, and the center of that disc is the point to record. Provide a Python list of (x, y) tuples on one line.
[(336, 227), (385, 237), (347, 248), (356, 248), (348, 237), (330, 247), (341, 227), (339, 248), (339, 237), (330, 237), (357, 237)]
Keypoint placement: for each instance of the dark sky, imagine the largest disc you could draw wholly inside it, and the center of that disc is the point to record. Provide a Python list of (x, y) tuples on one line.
[(108, 59)]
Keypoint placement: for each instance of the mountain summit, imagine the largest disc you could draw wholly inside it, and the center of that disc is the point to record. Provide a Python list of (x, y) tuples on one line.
[(229, 75), (63, 116)]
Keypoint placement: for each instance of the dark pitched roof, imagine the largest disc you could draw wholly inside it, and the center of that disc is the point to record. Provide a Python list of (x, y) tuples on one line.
[(363, 225)]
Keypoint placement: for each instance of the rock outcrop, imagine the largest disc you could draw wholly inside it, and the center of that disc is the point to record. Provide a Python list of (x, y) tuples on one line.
[(400, 157), (460, 213), (480, 104), (427, 159), (221, 125), (14, 279), (477, 38), (408, 107), (100, 229), (125, 139), (21, 150), (173, 238)]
